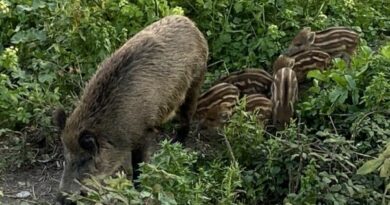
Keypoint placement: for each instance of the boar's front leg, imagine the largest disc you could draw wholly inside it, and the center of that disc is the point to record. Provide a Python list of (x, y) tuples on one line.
[(144, 153), (188, 108), (128, 165)]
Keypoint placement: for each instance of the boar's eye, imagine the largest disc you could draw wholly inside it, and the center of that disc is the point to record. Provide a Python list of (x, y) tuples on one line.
[(87, 141)]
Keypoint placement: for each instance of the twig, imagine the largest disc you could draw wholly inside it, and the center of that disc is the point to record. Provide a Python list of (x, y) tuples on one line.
[(156, 8), (334, 127), (363, 155), (341, 164), (33, 193), (229, 148), (290, 181), (215, 63), (384, 194), (360, 121), (300, 157)]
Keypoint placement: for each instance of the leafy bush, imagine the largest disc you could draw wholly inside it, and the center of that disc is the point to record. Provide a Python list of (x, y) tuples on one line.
[(174, 176), (49, 48)]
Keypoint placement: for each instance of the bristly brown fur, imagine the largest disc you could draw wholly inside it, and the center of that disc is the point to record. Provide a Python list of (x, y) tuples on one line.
[(306, 61), (283, 61), (336, 41), (249, 81), (215, 106), (259, 104), (154, 74)]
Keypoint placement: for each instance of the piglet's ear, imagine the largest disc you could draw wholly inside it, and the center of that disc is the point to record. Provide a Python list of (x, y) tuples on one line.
[(291, 63), (88, 142), (311, 37), (59, 118), (306, 29)]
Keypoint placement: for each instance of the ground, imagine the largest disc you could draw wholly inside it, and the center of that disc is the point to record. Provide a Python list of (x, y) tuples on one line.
[(38, 175), (40, 181)]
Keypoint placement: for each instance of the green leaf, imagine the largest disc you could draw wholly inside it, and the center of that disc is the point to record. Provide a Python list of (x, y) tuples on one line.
[(238, 7), (385, 51), (45, 78), (355, 97), (350, 191), (225, 38), (385, 169), (24, 8), (27, 36), (370, 166), (38, 4), (351, 82), (338, 79), (335, 188), (19, 37), (275, 170), (326, 180), (386, 153), (338, 95), (316, 74)]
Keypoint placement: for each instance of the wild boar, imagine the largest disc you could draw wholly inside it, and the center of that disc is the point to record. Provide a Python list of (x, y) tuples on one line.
[(336, 41), (140, 86), (249, 81), (215, 106), (310, 60), (283, 61), (284, 95), (260, 105), (302, 41), (303, 62)]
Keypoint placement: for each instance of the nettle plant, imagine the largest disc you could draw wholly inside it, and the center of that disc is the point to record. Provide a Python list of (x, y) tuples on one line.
[(349, 90), (381, 164), (23, 100), (174, 176)]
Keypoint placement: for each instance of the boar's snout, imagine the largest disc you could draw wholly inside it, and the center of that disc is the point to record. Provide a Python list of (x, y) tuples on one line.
[(62, 200), (68, 185)]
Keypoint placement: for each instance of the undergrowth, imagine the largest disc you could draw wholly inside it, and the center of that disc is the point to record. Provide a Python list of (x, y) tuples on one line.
[(49, 48)]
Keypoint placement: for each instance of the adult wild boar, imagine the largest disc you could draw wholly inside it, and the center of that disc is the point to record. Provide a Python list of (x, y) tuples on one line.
[(154, 74)]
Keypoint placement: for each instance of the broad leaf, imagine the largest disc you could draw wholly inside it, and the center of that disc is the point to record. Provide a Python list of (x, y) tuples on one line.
[(351, 82), (385, 169), (370, 166), (316, 74), (385, 51)]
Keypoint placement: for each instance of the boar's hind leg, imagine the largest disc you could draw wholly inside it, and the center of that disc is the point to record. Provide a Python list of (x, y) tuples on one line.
[(187, 110)]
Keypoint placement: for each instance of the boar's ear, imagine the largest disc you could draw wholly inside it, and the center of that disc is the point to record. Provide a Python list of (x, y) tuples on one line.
[(311, 37), (88, 142), (59, 118)]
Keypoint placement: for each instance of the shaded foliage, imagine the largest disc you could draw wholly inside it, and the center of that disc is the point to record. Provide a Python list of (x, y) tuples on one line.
[(49, 48)]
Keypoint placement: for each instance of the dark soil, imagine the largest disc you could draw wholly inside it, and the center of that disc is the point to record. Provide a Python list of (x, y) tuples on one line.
[(40, 181)]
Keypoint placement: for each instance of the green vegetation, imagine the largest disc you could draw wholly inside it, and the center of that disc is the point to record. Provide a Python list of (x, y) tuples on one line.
[(49, 48)]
